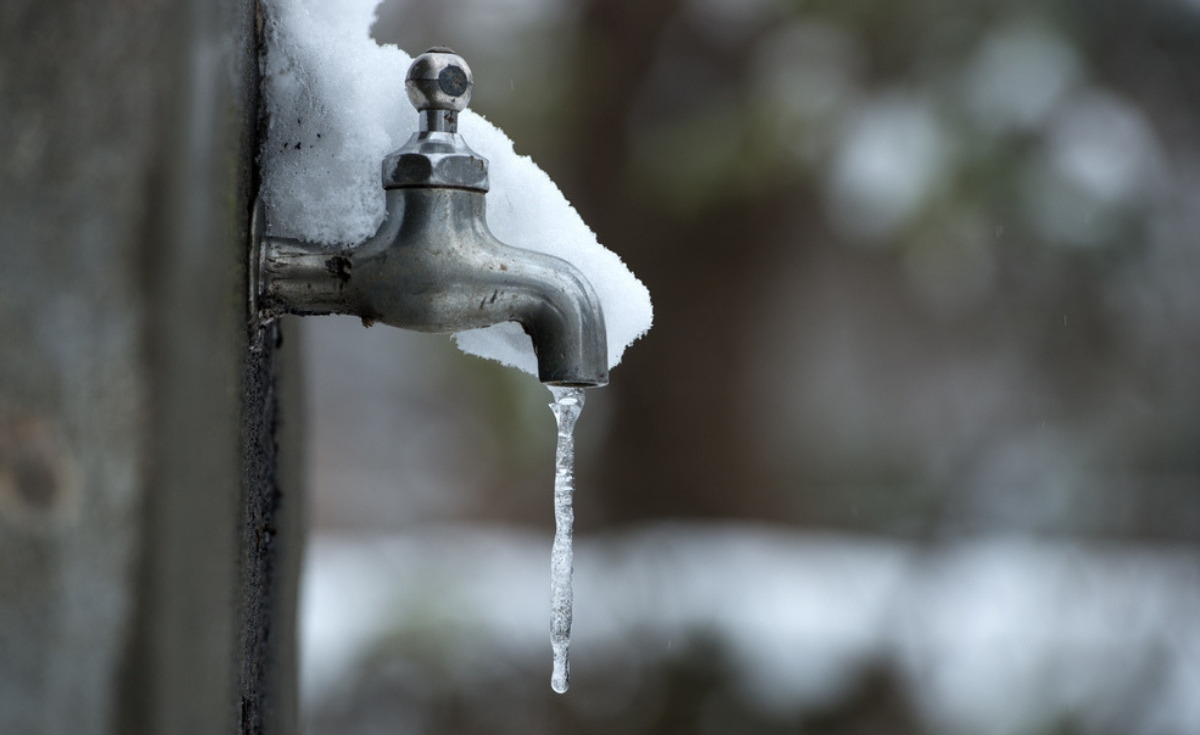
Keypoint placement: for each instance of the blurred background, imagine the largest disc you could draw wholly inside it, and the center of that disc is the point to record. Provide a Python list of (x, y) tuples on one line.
[(913, 444)]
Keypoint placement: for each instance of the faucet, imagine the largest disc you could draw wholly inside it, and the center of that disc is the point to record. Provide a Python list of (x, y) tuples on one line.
[(433, 265)]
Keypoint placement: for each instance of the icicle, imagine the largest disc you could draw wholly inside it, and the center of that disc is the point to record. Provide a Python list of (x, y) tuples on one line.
[(568, 403)]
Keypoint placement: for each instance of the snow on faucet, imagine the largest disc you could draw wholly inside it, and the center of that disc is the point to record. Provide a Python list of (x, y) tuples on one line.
[(434, 265), (334, 112)]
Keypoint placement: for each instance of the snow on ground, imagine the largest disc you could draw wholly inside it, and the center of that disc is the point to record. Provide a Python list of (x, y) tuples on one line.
[(337, 106), (990, 635)]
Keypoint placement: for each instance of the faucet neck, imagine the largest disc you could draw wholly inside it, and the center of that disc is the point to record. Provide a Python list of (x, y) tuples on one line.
[(439, 121)]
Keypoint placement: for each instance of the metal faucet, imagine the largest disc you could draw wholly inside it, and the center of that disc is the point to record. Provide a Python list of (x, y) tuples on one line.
[(433, 265)]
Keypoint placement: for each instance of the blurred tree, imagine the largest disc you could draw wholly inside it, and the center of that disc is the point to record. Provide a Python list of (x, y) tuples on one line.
[(1021, 236), (677, 445)]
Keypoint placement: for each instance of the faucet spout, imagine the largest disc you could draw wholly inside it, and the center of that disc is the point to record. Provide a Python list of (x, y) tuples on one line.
[(434, 266)]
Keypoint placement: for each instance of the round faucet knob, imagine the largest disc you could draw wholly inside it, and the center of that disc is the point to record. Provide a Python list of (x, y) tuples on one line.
[(439, 79)]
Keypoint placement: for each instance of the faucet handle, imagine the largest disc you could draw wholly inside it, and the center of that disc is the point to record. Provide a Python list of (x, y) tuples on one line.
[(439, 85)]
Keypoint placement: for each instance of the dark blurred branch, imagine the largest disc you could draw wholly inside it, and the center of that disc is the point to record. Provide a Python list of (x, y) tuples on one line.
[(678, 446), (619, 42)]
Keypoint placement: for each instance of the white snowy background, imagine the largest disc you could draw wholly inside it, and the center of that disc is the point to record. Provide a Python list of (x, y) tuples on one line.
[(993, 637)]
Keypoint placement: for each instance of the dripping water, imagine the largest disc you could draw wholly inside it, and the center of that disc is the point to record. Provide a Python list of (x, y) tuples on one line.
[(568, 403)]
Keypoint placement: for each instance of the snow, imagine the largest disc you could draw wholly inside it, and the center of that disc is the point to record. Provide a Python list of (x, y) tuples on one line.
[(337, 106), (989, 635), (1019, 75), (887, 164)]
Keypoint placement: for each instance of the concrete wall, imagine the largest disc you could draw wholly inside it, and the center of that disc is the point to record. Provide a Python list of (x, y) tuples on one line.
[(148, 545)]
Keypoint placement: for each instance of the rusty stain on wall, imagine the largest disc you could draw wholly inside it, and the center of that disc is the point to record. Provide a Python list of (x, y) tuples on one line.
[(40, 483)]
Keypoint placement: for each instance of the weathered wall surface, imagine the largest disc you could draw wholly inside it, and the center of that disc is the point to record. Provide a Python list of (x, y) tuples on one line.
[(126, 171)]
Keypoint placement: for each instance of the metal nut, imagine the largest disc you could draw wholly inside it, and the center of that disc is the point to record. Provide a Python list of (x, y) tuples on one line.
[(460, 170)]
